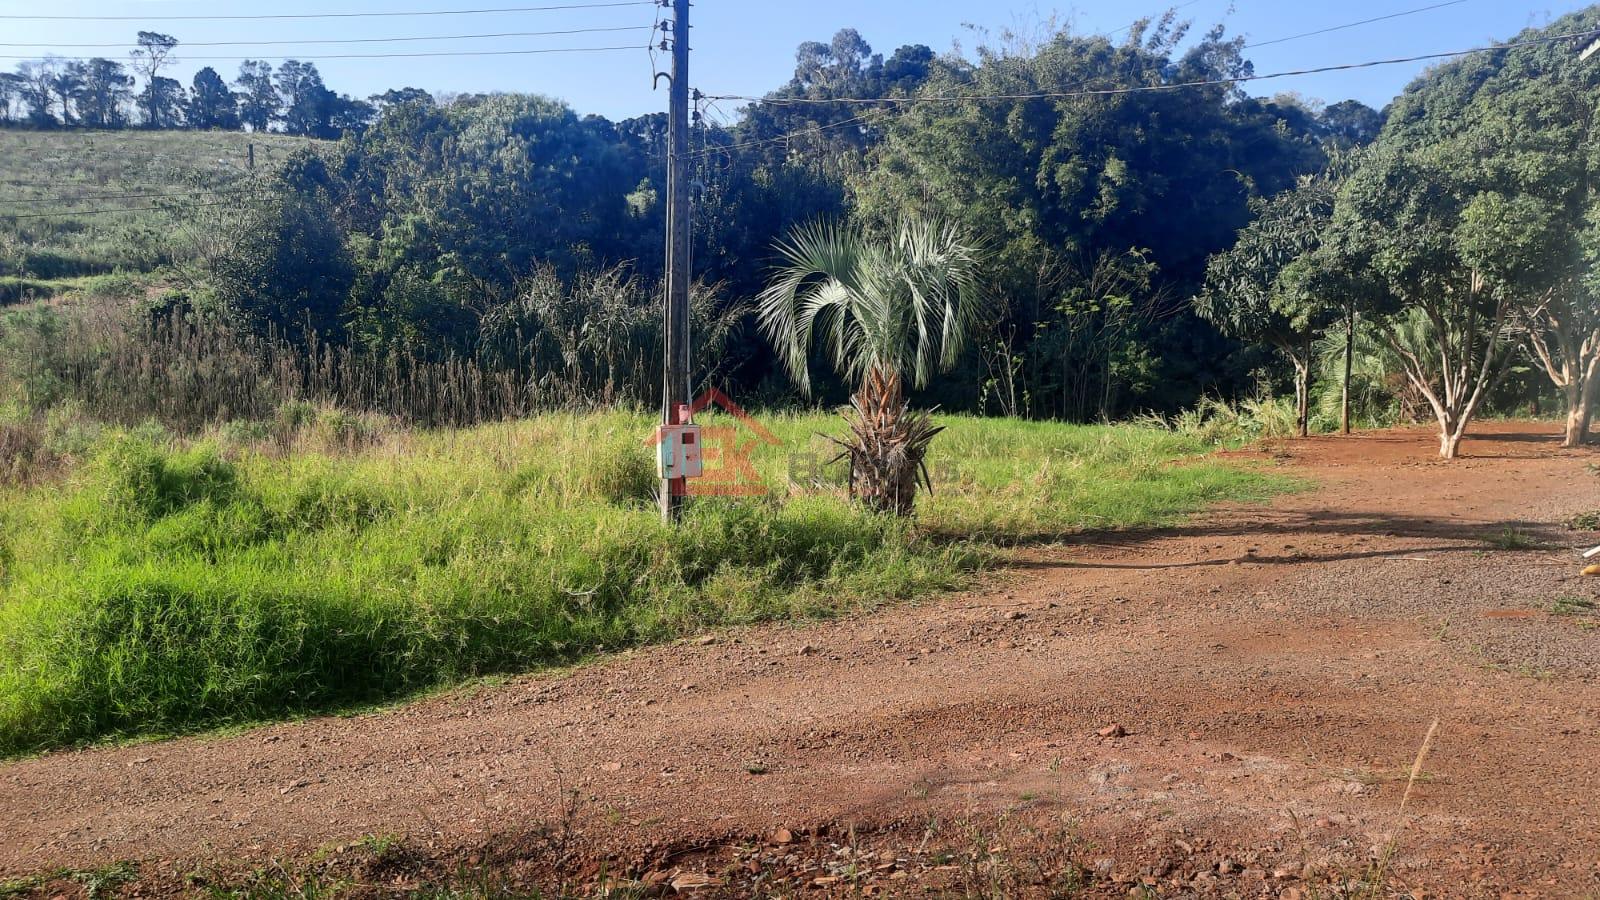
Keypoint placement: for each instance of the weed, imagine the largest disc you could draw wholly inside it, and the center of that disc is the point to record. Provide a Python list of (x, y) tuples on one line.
[(1215, 422), (104, 880), (97, 883), (1377, 875), (1574, 606), (1510, 538), (1588, 521)]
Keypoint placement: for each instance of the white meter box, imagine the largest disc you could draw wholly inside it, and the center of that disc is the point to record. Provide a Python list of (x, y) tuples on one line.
[(678, 451)]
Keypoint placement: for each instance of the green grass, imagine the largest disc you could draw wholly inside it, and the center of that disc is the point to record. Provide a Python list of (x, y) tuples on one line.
[(116, 170), (1574, 606), (163, 586), (1509, 538)]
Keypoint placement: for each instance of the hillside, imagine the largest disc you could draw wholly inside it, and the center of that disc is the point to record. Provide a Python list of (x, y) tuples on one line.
[(77, 204)]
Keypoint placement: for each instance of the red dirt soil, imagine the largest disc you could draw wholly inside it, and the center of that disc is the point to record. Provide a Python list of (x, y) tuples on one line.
[(1270, 672)]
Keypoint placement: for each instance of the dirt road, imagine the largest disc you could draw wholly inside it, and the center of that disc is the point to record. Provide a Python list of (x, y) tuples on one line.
[(1228, 706)]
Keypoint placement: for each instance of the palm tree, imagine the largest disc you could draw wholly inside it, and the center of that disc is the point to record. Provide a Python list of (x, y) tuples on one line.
[(886, 312)]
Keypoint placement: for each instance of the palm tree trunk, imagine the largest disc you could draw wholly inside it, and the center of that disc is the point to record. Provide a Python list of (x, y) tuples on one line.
[(887, 445)]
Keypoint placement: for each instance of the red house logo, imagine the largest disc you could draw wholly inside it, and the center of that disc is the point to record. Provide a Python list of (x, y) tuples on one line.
[(727, 451)]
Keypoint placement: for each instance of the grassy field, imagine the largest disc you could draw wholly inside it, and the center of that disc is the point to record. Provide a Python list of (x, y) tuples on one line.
[(161, 179), (153, 585)]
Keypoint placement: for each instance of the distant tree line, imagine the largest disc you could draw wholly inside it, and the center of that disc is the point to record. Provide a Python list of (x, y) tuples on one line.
[(106, 94), (422, 232)]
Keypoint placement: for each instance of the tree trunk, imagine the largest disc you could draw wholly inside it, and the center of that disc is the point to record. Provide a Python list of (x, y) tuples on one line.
[(1591, 388), (1450, 435), (1450, 446), (1576, 424), (887, 445), (1302, 397), (1349, 365)]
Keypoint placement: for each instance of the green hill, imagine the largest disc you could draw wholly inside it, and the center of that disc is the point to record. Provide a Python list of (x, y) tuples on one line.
[(80, 205)]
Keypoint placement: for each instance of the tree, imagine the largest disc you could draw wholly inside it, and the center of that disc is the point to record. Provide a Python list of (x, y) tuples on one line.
[(1507, 140), (308, 105), (395, 97), (35, 80), (105, 91), (163, 101), (211, 104), (288, 272), (1413, 220), (888, 312), (1095, 327), (149, 58), (1052, 185), (10, 92), (349, 115), (1258, 290), (66, 84), (1351, 123), (258, 98)]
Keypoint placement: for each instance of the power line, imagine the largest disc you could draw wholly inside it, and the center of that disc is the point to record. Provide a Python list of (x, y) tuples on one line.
[(1306, 34), (801, 132), (387, 40), (337, 15), (817, 129), (632, 47), (1148, 88)]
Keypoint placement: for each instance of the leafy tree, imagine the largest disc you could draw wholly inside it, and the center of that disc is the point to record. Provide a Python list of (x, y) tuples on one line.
[(163, 101), (1094, 329), (350, 116), (211, 104), (393, 97), (1257, 290), (308, 105), (66, 83), (259, 103), (1404, 216), (1351, 123), (10, 92), (844, 67), (1489, 163), (105, 89), (1051, 185), (888, 312), (288, 272), (153, 53), (35, 80)]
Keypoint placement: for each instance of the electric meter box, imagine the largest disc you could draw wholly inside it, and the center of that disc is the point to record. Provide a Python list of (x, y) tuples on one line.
[(678, 451)]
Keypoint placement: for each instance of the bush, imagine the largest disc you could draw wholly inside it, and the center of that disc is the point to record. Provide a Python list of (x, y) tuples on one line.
[(1216, 423)]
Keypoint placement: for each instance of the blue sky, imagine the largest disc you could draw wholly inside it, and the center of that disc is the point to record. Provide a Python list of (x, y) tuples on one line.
[(745, 47)]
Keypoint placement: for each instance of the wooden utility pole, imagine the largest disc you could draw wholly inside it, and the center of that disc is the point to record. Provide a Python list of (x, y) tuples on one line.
[(675, 392), (1349, 366)]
